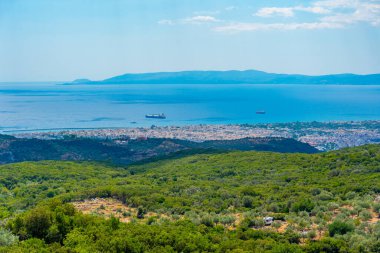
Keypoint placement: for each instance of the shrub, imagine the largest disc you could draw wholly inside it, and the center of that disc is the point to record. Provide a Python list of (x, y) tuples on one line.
[(249, 191), (375, 247), (7, 238), (315, 191), (151, 220), (50, 194), (140, 213), (279, 216), (303, 205), (335, 173), (365, 215), (328, 245), (227, 220), (276, 224), (286, 248), (207, 221), (340, 228), (350, 195), (364, 204), (247, 201), (274, 208), (376, 208), (126, 214), (325, 195), (37, 222), (248, 223), (311, 234), (332, 206)]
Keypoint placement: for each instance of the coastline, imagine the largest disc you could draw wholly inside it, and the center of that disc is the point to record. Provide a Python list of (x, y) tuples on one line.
[(324, 136)]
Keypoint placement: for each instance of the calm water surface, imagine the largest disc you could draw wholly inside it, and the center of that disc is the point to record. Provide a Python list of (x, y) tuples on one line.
[(28, 106)]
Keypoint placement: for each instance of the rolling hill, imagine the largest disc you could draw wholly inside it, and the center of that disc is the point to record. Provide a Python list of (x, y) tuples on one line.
[(130, 151), (327, 202)]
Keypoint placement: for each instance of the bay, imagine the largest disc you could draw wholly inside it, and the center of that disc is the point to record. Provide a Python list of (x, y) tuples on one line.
[(31, 106)]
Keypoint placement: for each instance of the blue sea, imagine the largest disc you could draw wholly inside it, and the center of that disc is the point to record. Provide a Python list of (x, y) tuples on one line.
[(44, 106)]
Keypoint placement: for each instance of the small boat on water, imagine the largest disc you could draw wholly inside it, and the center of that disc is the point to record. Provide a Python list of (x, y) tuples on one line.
[(155, 116), (260, 112)]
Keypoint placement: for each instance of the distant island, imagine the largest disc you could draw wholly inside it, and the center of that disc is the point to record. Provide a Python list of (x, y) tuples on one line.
[(234, 77)]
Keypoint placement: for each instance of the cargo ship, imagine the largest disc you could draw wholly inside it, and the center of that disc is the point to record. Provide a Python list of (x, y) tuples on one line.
[(155, 116), (260, 112)]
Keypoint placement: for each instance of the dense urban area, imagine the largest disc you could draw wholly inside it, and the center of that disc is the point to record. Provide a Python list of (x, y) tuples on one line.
[(323, 136)]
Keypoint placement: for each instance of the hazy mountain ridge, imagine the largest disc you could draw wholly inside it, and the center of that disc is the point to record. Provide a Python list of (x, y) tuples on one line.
[(234, 77)]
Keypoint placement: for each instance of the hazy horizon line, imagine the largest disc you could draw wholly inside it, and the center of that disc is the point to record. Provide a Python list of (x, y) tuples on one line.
[(192, 70)]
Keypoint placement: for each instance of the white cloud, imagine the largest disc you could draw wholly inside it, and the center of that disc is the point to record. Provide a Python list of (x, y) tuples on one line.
[(333, 14), (313, 9), (364, 12), (200, 20), (195, 20), (332, 4), (289, 11), (330, 14), (244, 27), (275, 11)]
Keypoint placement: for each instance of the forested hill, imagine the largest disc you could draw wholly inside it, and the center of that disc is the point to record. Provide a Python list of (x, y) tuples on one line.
[(233, 77), (128, 151), (327, 202)]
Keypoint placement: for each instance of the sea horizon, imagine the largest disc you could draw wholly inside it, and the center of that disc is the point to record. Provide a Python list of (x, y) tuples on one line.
[(30, 106)]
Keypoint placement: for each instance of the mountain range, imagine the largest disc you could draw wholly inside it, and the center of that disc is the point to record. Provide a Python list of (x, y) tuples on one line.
[(234, 77)]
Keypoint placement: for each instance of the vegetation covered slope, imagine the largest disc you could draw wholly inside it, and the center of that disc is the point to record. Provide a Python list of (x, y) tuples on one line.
[(125, 151), (326, 202)]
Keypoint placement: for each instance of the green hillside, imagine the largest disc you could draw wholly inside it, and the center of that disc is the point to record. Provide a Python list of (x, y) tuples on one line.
[(327, 202), (127, 151)]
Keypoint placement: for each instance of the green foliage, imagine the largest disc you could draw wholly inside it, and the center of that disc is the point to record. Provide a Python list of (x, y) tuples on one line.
[(140, 213), (340, 228), (7, 238), (303, 205), (202, 195), (376, 208), (94, 234), (130, 151), (328, 245), (37, 222)]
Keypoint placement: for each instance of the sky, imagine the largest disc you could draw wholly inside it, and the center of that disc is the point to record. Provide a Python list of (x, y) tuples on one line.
[(62, 40)]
